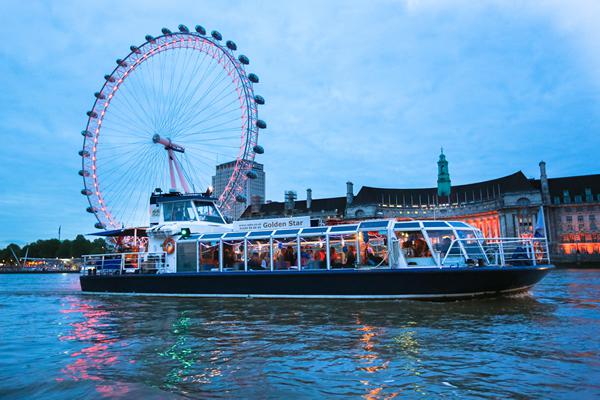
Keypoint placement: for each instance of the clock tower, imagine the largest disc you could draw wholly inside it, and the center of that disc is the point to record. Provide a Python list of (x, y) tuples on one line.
[(443, 182)]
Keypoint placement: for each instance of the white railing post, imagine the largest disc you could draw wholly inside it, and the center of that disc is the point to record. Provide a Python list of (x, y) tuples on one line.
[(501, 251), (327, 250), (245, 255)]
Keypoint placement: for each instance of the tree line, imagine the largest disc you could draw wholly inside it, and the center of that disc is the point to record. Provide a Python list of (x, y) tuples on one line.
[(52, 248)]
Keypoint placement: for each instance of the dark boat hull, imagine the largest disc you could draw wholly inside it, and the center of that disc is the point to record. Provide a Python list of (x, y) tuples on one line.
[(421, 283)]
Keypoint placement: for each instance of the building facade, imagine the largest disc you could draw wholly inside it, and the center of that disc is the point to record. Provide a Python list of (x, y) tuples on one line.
[(254, 191), (503, 207)]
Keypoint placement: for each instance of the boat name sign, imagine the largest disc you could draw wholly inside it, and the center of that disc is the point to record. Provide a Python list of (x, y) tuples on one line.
[(273, 223)]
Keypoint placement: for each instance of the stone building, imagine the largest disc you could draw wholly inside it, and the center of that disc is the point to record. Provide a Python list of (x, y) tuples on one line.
[(507, 206)]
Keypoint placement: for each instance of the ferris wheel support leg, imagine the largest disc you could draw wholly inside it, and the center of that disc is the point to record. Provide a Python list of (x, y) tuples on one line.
[(171, 170), (184, 184)]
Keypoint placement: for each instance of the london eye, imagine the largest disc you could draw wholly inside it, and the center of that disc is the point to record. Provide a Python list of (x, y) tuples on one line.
[(171, 110)]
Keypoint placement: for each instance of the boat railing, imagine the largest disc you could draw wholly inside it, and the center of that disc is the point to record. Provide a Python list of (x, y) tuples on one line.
[(497, 251), (123, 263)]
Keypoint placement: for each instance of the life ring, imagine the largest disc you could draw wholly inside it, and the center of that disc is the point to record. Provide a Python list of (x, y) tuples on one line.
[(169, 245)]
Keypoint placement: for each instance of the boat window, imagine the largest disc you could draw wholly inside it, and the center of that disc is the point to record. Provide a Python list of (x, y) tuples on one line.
[(208, 254), (178, 211), (212, 236), (471, 243), (285, 253), (374, 225), (413, 245), (343, 228), (208, 212), (287, 232), (260, 234), (258, 255), (442, 241), (404, 225), (373, 248), (233, 255), (312, 231), (313, 252), (435, 224), (186, 257), (458, 224), (342, 250), (235, 235)]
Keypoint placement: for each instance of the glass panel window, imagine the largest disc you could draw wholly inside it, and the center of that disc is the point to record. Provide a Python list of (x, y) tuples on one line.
[(285, 255), (313, 252), (322, 229), (208, 212), (186, 257), (342, 251), (260, 233), (343, 228), (233, 255), (472, 244), (373, 248), (441, 242), (374, 225), (403, 225), (435, 224), (178, 211), (413, 245), (208, 254), (258, 255)]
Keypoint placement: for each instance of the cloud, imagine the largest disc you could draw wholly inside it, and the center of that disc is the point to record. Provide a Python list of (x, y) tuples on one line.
[(361, 91)]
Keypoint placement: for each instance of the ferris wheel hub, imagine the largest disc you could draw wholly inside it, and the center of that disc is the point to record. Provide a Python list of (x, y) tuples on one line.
[(169, 145)]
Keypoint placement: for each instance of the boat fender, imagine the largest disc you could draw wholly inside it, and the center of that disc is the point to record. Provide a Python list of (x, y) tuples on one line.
[(168, 245)]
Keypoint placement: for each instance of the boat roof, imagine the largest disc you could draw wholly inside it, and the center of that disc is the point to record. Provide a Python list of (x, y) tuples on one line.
[(134, 231), (343, 229)]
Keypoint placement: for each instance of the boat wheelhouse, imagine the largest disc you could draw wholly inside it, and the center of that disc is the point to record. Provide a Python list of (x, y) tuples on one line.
[(191, 252)]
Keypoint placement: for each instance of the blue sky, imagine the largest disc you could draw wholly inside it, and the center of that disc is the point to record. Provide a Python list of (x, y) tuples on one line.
[(361, 91)]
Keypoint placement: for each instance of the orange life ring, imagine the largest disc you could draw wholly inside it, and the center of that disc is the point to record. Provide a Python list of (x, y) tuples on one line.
[(169, 245)]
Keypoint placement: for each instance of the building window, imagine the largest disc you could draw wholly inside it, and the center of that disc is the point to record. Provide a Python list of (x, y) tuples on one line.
[(556, 199), (580, 218), (569, 219), (566, 197), (589, 197), (578, 198)]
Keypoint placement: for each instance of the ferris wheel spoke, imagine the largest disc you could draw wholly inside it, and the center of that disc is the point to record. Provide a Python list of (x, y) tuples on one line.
[(220, 77), (192, 122), (148, 117), (135, 111)]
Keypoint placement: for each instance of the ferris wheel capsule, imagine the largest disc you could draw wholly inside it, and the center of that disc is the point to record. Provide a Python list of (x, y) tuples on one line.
[(166, 31), (83, 172), (99, 225), (121, 63), (83, 153), (200, 29), (99, 95), (150, 38), (243, 59), (92, 114), (261, 124), (253, 78), (86, 134), (258, 149), (109, 78), (240, 199), (92, 210), (251, 175), (216, 35), (135, 49), (231, 45), (259, 99), (86, 192), (183, 28)]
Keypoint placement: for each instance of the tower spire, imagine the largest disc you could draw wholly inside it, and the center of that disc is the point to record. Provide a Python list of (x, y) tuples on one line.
[(443, 181)]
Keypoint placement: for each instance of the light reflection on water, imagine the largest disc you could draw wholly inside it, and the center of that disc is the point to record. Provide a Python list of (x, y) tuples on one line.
[(59, 344)]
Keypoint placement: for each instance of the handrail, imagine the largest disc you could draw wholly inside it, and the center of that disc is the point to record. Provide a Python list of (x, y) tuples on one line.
[(500, 251), (121, 263)]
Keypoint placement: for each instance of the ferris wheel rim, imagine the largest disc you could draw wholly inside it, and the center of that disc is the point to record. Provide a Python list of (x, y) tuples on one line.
[(138, 55)]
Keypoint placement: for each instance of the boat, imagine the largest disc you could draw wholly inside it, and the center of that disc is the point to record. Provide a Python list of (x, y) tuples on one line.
[(192, 251)]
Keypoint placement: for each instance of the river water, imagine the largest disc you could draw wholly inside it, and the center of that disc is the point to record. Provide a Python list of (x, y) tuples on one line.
[(57, 343)]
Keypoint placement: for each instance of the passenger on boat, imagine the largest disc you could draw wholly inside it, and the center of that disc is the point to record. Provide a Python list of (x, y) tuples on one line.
[(290, 256), (322, 258), (254, 263), (371, 257), (351, 257)]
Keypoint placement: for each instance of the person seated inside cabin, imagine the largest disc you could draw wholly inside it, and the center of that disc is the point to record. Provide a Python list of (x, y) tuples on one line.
[(335, 258), (254, 262), (371, 257), (351, 257), (264, 261), (290, 256), (322, 258), (421, 249), (228, 257), (445, 245)]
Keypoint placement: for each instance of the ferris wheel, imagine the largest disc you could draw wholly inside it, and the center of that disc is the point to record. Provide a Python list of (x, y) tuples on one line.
[(171, 110)]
